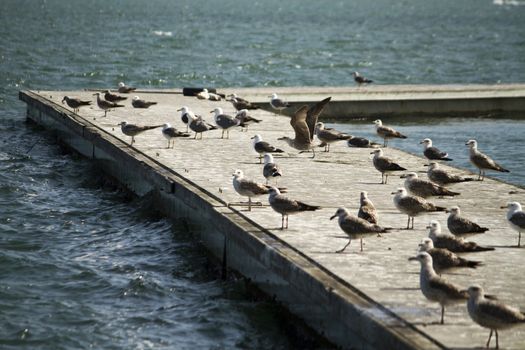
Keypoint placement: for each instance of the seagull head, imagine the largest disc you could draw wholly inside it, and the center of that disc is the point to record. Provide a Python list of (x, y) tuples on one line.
[(378, 152), (268, 158), (433, 165), (273, 191), (425, 245), (427, 142), (136, 98), (423, 257), (166, 126), (123, 123), (205, 90), (183, 109), (400, 192), (65, 98), (473, 144), (409, 176), (364, 195), (475, 291), (319, 126), (355, 74), (512, 206), (341, 212), (434, 228), (274, 96), (242, 113), (256, 138), (217, 111), (378, 122), (95, 94), (121, 84), (454, 210), (238, 173)]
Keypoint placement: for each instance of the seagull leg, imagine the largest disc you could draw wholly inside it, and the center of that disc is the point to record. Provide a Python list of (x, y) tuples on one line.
[(286, 221), (195, 137), (413, 222), (386, 178), (497, 339), (132, 140), (249, 203), (488, 341), (442, 314), (313, 151), (519, 238), (342, 250), (361, 244), (282, 221), (260, 158), (408, 223)]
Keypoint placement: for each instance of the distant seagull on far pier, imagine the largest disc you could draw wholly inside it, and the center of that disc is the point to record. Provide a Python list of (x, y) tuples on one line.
[(444, 259), (278, 104), (460, 226), (433, 153), (492, 314), (413, 205), (516, 218), (361, 142), (442, 177), (436, 288), (249, 188), (108, 96), (482, 161), (356, 227), (303, 123), (263, 147), (198, 125), (75, 103), (240, 103), (424, 188), (328, 135), (359, 79), (137, 102), (105, 105), (170, 133), (286, 206), (224, 121), (451, 242), (367, 211), (245, 120), (134, 129), (384, 165), (205, 95), (123, 89), (270, 169), (386, 132)]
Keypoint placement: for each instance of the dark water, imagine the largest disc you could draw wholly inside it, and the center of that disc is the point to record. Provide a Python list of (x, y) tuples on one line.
[(85, 266)]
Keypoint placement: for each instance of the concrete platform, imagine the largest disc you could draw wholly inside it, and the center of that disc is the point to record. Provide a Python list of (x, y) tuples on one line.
[(367, 300)]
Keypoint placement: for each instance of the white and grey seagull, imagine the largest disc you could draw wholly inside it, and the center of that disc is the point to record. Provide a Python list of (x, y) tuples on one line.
[(75, 103), (278, 103), (186, 115), (386, 132), (516, 218), (123, 89), (460, 226), (443, 259), (433, 153), (249, 188), (328, 136), (105, 105), (286, 206), (367, 211), (135, 129), (424, 188), (442, 177), (198, 125), (359, 79), (170, 133), (263, 147), (384, 165), (138, 102), (245, 119), (224, 121), (413, 205), (270, 169), (451, 242), (482, 161)]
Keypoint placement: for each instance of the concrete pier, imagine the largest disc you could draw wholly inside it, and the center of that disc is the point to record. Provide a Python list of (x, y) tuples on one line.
[(362, 300)]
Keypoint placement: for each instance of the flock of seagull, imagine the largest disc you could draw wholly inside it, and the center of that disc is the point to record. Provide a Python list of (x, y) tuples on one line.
[(437, 253)]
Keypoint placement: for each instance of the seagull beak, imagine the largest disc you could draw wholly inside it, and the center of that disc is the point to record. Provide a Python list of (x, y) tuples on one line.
[(420, 142), (280, 138), (447, 211), (466, 144), (503, 207), (412, 258), (403, 176), (180, 109), (333, 217), (429, 227), (393, 192), (425, 165)]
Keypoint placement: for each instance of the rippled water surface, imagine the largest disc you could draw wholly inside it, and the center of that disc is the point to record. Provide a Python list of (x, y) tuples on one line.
[(83, 265)]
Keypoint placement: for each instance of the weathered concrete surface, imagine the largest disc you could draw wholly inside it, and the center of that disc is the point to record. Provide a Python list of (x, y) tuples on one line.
[(305, 273)]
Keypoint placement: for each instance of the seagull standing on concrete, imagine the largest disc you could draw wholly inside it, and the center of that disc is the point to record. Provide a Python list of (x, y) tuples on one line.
[(460, 226), (413, 205), (367, 211), (384, 165), (278, 103), (451, 242), (135, 129), (286, 206), (170, 133), (386, 132), (249, 188), (361, 142), (244, 119), (482, 161), (186, 116), (328, 136), (444, 259), (137, 102), (356, 227), (270, 169), (424, 188), (198, 125), (303, 122), (359, 79), (263, 147), (123, 89), (105, 105), (442, 177), (75, 103), (433, 153), (492, 314), (516, 218), (108, 96), (436, 288), (240, 103), (224, 121)]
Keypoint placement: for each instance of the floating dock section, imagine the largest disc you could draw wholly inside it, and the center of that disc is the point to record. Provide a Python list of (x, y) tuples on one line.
[(357, 300)]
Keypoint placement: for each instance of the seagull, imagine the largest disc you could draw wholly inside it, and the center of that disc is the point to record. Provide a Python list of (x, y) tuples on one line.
[(286, 206), (387, 133), (205, 95), (436, 288), (384, 165), (278, 103), (263, 147), (240, 103), (360, 79), (461, 226), (245, 119), (412, 205), (134, 129), (270, 169), (108, 96), (444, 259), (75, 103), (137, 102), (424, 188), (451, 242), (224, 121), (361, 142), (442, 177), (170, 133), (367, 211), (328, 136), (516, 218), (249, 188), (198, 125), (123, 89), (482, 161), (356, 227), (433, 153), (185, 115), (105, 105), (492, 314), (303, 122)]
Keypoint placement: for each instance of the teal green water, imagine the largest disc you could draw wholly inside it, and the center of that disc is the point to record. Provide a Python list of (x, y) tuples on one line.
[(84, 266)]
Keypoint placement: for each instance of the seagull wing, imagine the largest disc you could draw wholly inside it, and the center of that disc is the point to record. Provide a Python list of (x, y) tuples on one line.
[(500, 312), (298, 122), (518, 219), (313, 114)]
